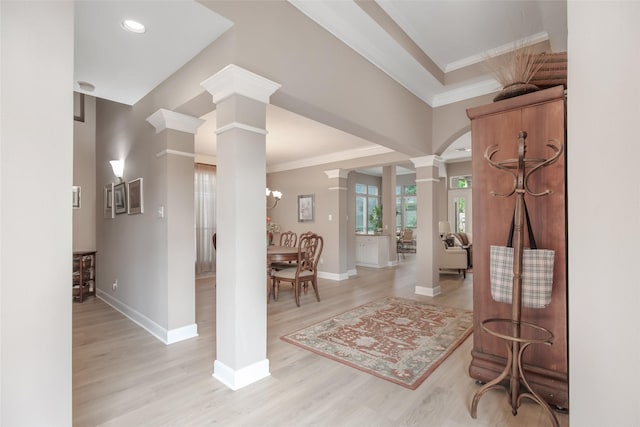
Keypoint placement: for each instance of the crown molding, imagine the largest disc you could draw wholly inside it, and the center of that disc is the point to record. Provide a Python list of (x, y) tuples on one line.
[(175, 153), (329, 158), (500, 50), (431, 161), (465, 92), (167, 119), (232, 80), (337, 173)]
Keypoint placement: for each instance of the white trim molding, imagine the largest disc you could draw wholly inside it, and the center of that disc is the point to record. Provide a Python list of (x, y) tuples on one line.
[(431, 161), (237, 379), (167, 119), (237, 125), (330, 158), (429, 292), (333, 276), (169, 151), (181, 334), (167, 336), (233, 80), (337, 173)]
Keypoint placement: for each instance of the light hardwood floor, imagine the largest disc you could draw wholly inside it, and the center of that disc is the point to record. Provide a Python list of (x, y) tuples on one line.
[(122, 376)]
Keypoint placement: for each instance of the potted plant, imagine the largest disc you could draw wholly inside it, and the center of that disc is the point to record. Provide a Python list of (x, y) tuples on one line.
[(375, 218)]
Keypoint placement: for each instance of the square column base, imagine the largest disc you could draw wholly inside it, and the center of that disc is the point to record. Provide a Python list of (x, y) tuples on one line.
[(429, 292), (237, 379)]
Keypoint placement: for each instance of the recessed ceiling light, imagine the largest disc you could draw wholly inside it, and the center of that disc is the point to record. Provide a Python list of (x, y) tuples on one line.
[(133, 26), (86, 86)]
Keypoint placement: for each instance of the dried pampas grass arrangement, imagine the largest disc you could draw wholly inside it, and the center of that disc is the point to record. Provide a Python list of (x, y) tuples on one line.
[(514, 70)]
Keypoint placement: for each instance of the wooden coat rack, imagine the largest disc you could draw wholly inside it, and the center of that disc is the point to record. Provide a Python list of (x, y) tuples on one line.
[(517, 334)]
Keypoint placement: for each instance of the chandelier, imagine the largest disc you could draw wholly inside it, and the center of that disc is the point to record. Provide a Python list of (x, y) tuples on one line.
[(275, 198)]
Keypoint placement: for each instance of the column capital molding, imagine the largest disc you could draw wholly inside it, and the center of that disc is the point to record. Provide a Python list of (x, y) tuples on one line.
[(167, 119), (232, 80), (431, 161), (336, 173)]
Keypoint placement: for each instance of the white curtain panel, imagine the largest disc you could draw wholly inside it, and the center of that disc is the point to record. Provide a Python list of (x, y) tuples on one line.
[(205, 210)]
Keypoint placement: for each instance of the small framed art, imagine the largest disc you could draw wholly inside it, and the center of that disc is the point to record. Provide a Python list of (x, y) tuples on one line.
[(75, 196), (134, 192), (108, 201), (120, 198), (305, 208)]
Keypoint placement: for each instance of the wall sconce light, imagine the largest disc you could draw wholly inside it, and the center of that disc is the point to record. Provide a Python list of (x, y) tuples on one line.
[(118, 168), (276, 195)]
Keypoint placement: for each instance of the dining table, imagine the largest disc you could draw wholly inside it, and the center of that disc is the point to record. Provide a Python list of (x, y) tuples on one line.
[(276, 253)]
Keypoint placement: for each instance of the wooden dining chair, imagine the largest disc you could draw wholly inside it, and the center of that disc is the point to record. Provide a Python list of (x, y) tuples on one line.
[(288, 238), (309, 250)]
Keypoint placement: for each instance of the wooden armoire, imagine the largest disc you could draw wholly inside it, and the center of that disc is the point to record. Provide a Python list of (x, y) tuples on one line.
[(542, 115)]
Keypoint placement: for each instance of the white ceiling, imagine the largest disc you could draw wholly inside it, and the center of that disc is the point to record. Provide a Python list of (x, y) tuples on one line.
[(421, 44)]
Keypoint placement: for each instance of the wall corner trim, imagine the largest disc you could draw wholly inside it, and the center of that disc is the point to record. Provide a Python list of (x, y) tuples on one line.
[(167, 119)]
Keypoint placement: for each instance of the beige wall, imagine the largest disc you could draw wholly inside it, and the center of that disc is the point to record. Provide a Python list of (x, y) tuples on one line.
[(314, 181), (451, 121), (316, 70), (84, 175), (602, 156), (36, 313), (151, 257), (36, 164)]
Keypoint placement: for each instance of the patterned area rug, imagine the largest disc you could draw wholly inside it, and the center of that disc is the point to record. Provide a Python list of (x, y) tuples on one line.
[(399, 340)]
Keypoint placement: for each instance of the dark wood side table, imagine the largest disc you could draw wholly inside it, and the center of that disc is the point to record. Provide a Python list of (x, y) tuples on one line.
[(84, 275)]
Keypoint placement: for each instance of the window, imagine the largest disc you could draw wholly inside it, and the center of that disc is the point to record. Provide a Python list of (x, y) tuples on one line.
[(205, 217), (406, 207), (460, 182), (367, 199)]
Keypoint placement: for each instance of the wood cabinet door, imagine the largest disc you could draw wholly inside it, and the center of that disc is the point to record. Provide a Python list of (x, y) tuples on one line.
[(544, 121)]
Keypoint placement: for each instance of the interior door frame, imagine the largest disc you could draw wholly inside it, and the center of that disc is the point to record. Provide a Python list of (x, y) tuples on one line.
[(455, 194)]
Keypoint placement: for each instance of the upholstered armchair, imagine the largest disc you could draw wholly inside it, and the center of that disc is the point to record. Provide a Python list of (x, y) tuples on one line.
[(453, 258), (463, 240)]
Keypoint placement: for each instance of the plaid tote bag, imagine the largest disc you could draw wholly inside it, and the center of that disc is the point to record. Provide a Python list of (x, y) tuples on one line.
[(537, 272)]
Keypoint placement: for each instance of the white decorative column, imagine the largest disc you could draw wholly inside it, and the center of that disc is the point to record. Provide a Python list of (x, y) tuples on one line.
[(241, 98), (338, 225), (389, 210), (427, 180), (176, 153)]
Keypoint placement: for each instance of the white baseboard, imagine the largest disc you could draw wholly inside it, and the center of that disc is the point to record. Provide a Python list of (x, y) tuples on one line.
[(353, 272), (237, 379), (429, 292), (164, 335), (333, 276), (181, 334)]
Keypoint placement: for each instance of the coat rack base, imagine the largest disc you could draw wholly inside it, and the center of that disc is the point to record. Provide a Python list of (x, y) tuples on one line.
[(518, 336)]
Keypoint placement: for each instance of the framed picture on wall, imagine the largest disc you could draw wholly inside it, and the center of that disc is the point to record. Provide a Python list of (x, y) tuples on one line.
[(75, 196), (134, 191), (108, 201), (120, 198), (305, 208)]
